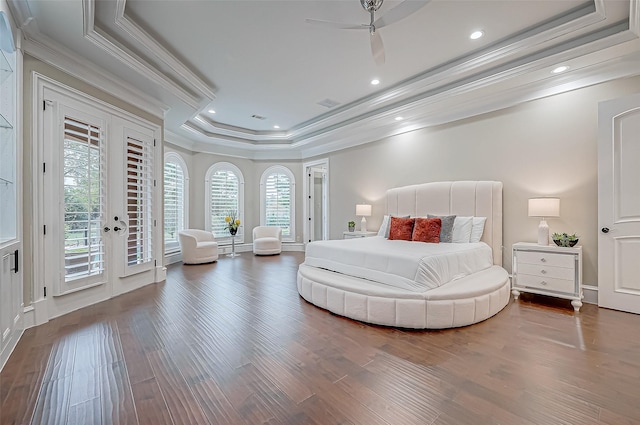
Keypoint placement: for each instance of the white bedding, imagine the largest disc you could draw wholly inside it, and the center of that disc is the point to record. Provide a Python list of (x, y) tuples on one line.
[(415, 266)]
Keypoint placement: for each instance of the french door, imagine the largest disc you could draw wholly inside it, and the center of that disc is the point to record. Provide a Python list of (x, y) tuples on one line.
[(98, 193)]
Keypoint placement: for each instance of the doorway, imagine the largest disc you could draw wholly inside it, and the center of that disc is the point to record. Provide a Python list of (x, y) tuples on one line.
[(316, 205)]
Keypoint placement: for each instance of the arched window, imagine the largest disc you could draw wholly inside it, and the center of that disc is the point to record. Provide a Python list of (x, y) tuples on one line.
[(176, 200), (277, 200), (224, 187)]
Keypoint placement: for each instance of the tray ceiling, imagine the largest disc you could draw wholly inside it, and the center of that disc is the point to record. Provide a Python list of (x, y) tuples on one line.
[(260, 58)]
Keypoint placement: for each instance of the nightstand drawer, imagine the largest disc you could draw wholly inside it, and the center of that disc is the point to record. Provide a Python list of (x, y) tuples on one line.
[(545, 271), (548, 284), (546, 258)]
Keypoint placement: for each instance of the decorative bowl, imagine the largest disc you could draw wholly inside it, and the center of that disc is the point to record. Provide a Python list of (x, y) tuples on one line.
[(565, 242)]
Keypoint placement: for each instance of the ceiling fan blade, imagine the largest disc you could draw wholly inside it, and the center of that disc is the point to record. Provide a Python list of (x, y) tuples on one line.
[(377, 48), (338, 25), (400, 12)]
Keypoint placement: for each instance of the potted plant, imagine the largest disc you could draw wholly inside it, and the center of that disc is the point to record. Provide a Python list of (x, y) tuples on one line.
[(565, 240), (352, 225)]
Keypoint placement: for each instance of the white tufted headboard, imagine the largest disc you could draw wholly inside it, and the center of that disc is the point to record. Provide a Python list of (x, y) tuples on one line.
[(464, 198)]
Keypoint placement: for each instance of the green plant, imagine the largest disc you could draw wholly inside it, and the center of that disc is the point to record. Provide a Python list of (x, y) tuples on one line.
[(351, 224), (564, 239)]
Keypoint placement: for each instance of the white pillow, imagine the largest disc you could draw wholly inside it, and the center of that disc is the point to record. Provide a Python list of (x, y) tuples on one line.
[(477, 229), (462, 229), (382, 231)]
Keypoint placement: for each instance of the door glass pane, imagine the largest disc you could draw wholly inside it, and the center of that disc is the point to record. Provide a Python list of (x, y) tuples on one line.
[(139, 195), (83, 183)]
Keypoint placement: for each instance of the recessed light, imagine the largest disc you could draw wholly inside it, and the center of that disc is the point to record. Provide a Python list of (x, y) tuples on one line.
[(276, 126), (476, 35), (399, 118), (211, 111), (560, 69), (375, 82)]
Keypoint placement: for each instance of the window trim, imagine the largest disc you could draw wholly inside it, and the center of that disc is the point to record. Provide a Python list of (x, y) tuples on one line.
[(219, 166), (263, 201), (176, 158)]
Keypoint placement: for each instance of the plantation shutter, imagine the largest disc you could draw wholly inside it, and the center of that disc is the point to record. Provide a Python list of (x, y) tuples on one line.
[(224, 190), (173, 203), (139, 184), (83, 183), (278, 202)]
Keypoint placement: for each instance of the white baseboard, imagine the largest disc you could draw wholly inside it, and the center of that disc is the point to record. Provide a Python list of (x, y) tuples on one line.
[(174, 257), (160, 274), (11, 345), (296, 247), (590, 294)]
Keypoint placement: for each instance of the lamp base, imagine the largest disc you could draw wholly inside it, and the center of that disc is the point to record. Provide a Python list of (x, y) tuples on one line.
[(363, 225), (543, 233)]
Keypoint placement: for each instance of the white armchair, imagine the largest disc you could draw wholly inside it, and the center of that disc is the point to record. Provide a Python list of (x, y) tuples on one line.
[(198, 246), (267, 240)]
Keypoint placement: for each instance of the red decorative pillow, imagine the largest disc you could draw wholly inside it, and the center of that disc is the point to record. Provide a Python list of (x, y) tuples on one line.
[(401, 228), (427, 230)]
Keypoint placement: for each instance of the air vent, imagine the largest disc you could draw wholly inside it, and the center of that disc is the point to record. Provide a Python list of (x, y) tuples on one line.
[(328, 103), (258, 117)]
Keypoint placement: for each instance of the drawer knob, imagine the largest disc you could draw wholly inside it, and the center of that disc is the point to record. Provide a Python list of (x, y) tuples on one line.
[(544, 260), (543, 271)]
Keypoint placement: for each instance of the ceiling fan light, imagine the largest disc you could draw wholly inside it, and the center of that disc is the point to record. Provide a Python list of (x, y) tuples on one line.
[(476, 35)]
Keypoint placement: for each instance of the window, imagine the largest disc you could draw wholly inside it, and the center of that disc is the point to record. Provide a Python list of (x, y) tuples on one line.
[(176, 202), (277, 200), (224, 195)]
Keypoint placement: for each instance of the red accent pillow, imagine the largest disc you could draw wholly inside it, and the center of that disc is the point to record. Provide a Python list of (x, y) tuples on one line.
[(427, 230), (401, 228)]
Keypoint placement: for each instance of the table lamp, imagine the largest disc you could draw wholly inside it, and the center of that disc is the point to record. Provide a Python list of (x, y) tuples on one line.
[(544, 208), (365, 211)]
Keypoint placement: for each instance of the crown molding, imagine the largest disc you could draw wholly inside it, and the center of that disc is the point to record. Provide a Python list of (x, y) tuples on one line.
[(125, 56), (181, 71), (58, 56)]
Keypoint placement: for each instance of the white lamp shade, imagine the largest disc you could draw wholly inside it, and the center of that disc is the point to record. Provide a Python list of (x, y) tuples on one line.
[(544, 207), (363, 210)]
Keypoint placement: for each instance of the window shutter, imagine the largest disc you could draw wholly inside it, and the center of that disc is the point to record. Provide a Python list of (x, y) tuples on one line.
[(84, 182), (173, 203), (224, 187), (139, 183), (278, 202)]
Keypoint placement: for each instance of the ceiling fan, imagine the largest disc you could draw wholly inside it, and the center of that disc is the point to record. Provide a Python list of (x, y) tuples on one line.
[(399, 12)]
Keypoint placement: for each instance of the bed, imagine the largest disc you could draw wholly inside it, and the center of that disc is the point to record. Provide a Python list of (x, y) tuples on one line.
[(393, 283)]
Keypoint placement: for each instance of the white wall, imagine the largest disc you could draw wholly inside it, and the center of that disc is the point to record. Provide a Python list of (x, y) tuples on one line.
[(546, 147)]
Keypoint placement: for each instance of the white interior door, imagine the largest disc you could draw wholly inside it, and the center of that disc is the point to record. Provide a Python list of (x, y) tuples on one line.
[(98, 191), (619, 204), (316, 206)]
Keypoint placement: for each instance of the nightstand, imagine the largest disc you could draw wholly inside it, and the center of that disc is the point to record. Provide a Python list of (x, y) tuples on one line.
[(357, 234), (548, 270)]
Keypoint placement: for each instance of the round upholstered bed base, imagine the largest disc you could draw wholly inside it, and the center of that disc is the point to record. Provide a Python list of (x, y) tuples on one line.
[(466, 301)]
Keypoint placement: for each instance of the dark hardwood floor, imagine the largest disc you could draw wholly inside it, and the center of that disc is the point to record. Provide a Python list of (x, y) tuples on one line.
[(233, 343)]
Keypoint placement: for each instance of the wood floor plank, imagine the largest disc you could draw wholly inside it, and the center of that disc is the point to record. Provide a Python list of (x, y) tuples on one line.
[(233, 343)]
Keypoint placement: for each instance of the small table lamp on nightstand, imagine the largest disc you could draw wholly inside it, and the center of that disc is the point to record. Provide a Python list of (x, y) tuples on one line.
[(544, 208), (365, 211)]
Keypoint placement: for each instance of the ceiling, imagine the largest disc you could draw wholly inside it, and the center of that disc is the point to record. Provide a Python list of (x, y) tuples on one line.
[(241, 58)]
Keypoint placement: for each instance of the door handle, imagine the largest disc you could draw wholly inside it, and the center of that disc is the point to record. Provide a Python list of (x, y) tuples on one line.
[(605, 230), (117, 229), (106, 229)]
